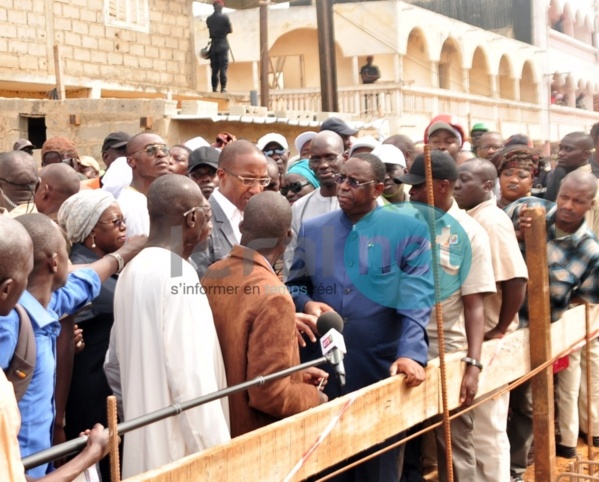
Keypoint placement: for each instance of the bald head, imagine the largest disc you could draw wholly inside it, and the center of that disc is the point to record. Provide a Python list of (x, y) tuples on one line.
[(45, 235), (327, 139), (58, 182), (483, 169), (18, 167), (583, 182), (16, 262), (266, 221), (169, 197), (230, 155), (581, 139)]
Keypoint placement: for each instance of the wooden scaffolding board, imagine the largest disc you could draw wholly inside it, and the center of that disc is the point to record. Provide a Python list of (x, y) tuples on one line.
[(369, 416)]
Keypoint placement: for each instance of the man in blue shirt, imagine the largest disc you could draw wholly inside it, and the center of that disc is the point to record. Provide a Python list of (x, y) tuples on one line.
[(51, 293), (373, 267)]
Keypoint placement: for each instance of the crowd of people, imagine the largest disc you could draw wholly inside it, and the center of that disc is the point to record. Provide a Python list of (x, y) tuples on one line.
[(176, 271)]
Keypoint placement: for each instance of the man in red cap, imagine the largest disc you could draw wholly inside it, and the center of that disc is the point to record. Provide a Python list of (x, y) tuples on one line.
[(219, 27), (444, 133)]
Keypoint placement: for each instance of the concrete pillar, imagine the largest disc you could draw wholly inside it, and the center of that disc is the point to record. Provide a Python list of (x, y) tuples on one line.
[(466, 80), (495, 86), (397, 68), (355, 70), (434, 74), (256, 75), (516, 89)]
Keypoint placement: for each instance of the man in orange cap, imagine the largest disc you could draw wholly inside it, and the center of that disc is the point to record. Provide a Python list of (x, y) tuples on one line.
[(444, 133)]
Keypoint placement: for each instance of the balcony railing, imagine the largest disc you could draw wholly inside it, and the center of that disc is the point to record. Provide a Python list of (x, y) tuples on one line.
[(413, 107)]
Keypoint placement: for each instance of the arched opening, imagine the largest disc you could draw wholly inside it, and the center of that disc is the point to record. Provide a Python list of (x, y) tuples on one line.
[(480, 79), (294, 60), (450, 66), (506, 79), (529, 87), (416, 63)]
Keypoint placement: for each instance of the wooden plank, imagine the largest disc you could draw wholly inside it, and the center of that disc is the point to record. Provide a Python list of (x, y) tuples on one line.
[(378, 412), (60, 90), (540, 344)]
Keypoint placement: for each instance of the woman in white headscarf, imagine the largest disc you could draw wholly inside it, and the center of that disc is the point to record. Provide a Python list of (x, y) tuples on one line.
[(94, 223)]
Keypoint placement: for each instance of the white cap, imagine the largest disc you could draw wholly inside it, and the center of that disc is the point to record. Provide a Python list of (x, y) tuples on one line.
[(196, 143), (364, 141), (303, 138), (272, 137), (389, 154)]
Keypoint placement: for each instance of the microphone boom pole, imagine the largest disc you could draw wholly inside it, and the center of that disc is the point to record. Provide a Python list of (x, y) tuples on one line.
[(75, 445)]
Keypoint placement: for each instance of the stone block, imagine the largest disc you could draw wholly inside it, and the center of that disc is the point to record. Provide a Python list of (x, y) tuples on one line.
[(237, 109), (17, 16), (80, 27), (198, 107), (90, 43)]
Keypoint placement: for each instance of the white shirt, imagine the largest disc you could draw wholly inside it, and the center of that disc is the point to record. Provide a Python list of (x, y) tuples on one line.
[(234, 214), (165, 344), (134, 206), (117, 177)]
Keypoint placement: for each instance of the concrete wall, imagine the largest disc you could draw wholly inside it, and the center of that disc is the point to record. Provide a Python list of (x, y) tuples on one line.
[(96, 119), (91, 49)]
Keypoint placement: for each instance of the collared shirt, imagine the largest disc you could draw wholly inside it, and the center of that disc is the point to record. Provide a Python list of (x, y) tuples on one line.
[(573, 259), (466, 268), (379, 281), (233, 213), (507, 259), (37, 405)]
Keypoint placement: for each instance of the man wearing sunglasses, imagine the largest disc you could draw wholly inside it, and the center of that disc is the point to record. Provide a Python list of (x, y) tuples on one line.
[(242, 174), (148, 157), (378, 279), (276, 147), (59, 149)]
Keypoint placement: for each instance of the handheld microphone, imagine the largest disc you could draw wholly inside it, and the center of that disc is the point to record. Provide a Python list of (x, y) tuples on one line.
[(332, 342)]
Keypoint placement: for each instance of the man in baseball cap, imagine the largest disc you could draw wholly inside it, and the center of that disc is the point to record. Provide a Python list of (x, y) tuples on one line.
[(339, 126), (466, 277), (275, 146), (444, 133), (202, 166), (23, 145), (477, 130), (114, 146)]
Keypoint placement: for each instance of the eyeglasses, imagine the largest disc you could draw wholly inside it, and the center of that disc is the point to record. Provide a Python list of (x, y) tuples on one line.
[(251, 181), (152, 149), (341, 178), (116, 222), (270, 152), (204, 209), (294, 187), (496, 147), (329, 159)]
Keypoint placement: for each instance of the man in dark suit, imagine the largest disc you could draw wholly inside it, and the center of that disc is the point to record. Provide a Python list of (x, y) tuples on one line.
[(241, 173), (373, 267), (255, 320)]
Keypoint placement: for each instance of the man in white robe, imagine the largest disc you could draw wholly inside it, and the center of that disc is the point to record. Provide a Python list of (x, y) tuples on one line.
[(163, 338)]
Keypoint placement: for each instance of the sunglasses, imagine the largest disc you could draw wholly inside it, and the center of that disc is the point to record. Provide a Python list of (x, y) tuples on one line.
[(270, 152), (116, 222), (294, 187), (353, 183), (152, 149)]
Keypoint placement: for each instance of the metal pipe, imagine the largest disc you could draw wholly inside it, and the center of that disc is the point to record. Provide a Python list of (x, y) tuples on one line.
[(75, 445)]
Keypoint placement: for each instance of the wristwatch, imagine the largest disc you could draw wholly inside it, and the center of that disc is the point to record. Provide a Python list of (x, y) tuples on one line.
[(471, 361)]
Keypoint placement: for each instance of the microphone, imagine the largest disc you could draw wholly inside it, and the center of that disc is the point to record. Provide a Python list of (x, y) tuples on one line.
[(332, 342)]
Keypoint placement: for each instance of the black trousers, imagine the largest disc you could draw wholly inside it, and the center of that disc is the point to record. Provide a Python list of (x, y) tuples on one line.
[(219, 63)]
